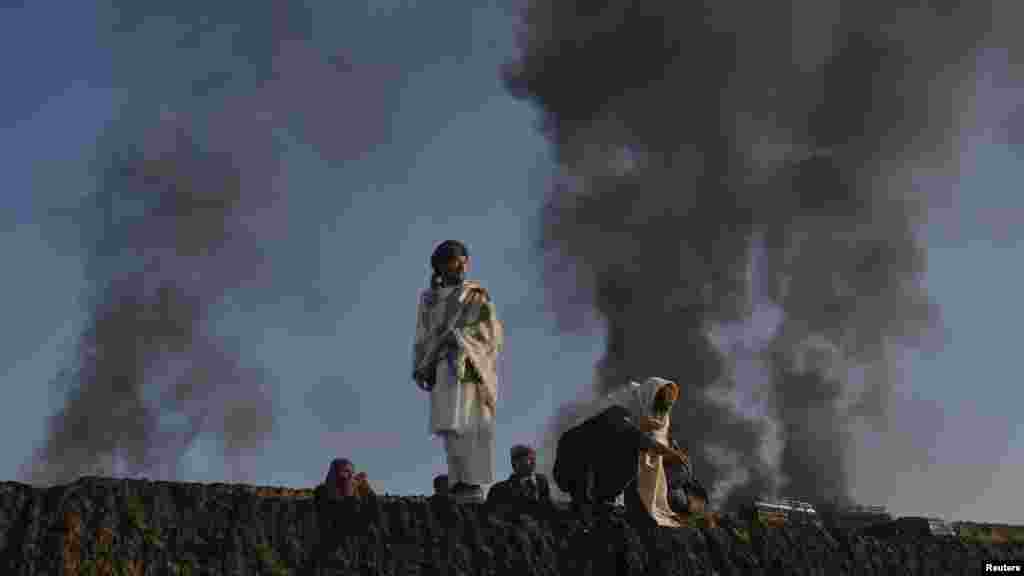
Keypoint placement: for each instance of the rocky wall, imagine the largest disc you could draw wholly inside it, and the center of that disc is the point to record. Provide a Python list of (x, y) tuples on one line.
[(106, 526)]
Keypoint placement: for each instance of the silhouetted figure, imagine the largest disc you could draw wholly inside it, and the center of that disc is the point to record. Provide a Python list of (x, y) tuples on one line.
[(525, 491)]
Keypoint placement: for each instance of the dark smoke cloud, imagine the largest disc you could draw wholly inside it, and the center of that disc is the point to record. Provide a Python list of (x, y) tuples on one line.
[(191, 191), (690, 133), (150, 377)]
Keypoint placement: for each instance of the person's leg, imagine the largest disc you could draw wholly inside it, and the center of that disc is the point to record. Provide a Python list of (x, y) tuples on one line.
[(478, 449), (696, 497), (677, 501), (455, 461), (464, 484), (696, 504), (636, 512), (582, 496)]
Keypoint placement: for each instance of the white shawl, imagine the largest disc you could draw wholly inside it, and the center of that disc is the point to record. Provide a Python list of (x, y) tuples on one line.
[(471, 316), (635, 397)]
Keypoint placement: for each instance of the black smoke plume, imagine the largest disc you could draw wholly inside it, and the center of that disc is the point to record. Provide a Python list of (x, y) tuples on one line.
[(695, 139), (191, 193), (150, 376)]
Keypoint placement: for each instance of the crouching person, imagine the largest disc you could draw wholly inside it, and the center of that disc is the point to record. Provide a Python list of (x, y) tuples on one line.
[(525, 491), (623, 447)]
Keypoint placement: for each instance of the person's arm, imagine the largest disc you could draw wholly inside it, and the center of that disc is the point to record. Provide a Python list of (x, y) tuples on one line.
[(618, 418), (544, 489), (496, 498), (686, 466), (672, 457), (419, 342), (482, 325), (427, 346), (492, 495)]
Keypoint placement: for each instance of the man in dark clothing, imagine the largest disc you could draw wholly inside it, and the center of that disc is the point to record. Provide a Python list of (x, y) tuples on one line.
[(524, 491)]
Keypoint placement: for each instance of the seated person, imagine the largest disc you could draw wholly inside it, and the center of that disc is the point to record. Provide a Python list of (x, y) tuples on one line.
[(622, 447), (340, 482), (525, 490)]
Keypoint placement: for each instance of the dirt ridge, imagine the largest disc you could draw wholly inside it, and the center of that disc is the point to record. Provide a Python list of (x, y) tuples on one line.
[(138, 527)]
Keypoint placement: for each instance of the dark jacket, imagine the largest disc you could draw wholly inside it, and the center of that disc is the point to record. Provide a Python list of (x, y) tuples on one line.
[(515, 494)]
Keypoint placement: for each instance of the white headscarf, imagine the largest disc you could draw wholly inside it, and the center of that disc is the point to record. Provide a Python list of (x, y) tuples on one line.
[(636, 397)]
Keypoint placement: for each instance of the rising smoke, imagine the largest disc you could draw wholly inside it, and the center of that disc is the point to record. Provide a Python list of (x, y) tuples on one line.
[(150, 376), (697, 138), (191, 192)]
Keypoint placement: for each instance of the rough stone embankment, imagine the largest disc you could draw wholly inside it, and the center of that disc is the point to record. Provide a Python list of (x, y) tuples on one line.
[(106, 526)]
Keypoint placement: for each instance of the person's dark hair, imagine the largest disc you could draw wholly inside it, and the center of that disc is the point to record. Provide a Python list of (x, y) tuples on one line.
[(439, 260), (521, 450), (441, 484)]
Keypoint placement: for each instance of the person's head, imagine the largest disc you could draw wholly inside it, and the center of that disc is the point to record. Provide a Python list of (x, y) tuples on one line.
[(340, 478), (450, 263), (653, 397), (524, 460), (342, 468), (664, 398), (441, 484)]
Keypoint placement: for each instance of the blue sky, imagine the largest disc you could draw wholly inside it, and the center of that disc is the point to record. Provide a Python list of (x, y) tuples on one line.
[(459, 158)]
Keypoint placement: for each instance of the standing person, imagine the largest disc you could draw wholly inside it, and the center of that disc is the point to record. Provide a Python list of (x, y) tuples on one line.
[(455, 356)]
